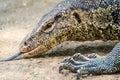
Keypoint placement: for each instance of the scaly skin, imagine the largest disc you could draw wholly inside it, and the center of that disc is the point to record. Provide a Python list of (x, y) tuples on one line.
[(94, 65), (74, 20)]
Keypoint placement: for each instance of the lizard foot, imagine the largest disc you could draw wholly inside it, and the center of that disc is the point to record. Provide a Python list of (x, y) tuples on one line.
[(93, 64)]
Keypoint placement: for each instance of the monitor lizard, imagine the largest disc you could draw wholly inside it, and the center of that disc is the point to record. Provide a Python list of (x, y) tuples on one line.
[(76, 20)]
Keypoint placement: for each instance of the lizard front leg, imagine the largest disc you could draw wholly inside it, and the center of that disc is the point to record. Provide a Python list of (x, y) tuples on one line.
[(76, 60), (106, 64), (95, 66)]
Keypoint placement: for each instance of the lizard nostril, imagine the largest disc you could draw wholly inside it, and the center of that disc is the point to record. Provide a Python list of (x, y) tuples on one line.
[(25, 43)]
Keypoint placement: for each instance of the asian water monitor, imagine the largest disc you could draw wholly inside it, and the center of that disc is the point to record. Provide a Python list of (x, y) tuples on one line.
[(73, 20)]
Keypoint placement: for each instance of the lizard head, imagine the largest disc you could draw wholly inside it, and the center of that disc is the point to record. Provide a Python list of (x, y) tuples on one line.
[(52, 29)]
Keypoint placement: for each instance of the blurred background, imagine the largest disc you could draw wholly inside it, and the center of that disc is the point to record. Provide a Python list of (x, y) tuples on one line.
[(23, 12)]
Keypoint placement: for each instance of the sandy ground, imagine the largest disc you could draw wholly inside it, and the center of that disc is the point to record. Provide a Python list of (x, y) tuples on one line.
[(17, 18)]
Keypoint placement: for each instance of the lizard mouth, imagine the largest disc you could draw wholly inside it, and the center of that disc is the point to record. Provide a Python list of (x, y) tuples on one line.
[(35, 52)]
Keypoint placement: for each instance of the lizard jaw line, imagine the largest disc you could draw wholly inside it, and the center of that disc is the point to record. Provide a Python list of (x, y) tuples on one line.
[(35, 52), (30, 53)]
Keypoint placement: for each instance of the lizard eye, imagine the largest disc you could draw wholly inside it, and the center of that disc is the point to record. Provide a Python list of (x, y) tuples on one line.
[(48, 27)]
